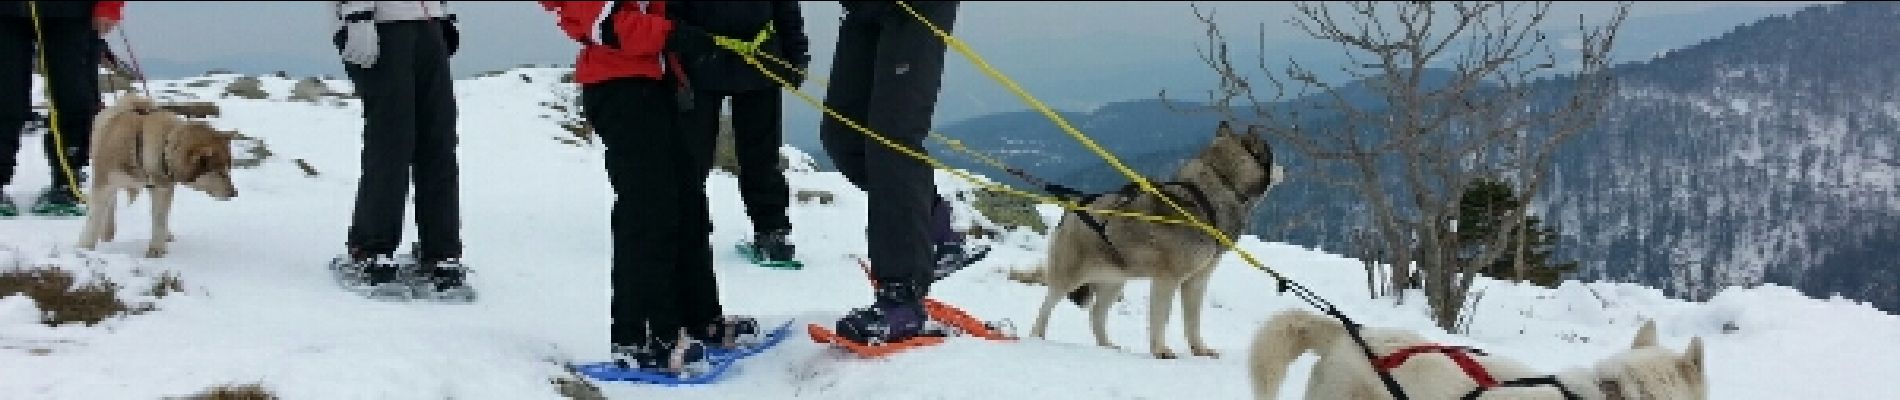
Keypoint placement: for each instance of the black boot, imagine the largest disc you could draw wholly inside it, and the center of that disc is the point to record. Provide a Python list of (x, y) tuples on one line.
[(442, 276), (660, 358), (952, 257), (896, 316), (773, 246), (7, 208), (370, 273)]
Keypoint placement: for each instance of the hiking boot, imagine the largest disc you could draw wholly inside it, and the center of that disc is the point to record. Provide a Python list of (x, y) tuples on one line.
[(732, 332), (669, 358), (951, 257), (773, 246), (896, 316), (367, 268), (58, 200), (442, 275), (7, 209)]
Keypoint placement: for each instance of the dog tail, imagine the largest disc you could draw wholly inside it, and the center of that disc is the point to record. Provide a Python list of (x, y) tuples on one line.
[(1027, 277), (1081, 295), (1283, 339)]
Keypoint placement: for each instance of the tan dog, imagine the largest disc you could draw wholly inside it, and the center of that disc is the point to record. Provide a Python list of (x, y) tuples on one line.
[(136, 145), (1644, 372), (1092, 260)]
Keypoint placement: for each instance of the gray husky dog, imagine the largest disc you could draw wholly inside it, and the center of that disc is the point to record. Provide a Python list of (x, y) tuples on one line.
[(1091, 257)]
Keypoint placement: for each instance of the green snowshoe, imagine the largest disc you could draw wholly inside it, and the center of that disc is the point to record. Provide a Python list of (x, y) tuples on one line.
[(770, 250), (58, 201)]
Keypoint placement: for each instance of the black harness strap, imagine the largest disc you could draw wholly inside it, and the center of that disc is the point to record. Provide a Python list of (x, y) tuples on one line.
[(1127, 193), (1352, 329), (1535, 381)]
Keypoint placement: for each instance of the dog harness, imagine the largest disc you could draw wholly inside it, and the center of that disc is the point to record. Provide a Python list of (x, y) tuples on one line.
[(1462, 356), (1201, 204), (138, 153)]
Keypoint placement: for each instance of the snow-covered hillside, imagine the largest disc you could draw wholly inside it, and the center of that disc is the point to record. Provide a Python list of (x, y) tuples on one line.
[(259, 307)]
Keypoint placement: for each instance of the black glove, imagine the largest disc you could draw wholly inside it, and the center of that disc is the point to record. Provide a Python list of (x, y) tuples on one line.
[(690, 41)]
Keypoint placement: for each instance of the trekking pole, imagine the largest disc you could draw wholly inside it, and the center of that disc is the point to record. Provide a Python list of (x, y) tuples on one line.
[(52, 107)]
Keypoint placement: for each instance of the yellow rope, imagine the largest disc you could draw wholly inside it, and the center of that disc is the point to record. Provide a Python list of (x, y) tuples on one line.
[(977, 60)]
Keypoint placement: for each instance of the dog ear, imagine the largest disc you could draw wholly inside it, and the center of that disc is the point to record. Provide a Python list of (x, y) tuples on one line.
[(1254, 130), (1645, 336), (1692, 358), (1225, 129)]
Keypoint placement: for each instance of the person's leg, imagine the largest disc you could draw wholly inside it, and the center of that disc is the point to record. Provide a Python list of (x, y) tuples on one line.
[(849, 95), (906, 78), (633, 118), (703, 121), (16, 84), (757, 136), (389, 140), (908, 75), (437, 172), (698, 282), (72, 60)]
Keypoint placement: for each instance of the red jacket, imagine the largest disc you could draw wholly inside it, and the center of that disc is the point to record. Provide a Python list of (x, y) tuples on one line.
[(112, 10), (640, 27)]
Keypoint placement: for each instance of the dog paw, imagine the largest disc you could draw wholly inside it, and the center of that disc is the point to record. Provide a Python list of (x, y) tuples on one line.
[(1210, 353), (155, 252), (1166, 355)]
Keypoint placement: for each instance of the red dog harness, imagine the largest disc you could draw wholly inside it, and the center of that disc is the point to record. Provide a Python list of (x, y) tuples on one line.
[(1456, 353), (1462, 356)]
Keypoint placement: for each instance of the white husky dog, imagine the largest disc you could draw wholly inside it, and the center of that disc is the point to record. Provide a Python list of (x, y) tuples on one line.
[(1425, 371)]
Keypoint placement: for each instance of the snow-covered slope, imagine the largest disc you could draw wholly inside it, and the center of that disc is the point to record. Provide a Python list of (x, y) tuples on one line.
[(258, 306)]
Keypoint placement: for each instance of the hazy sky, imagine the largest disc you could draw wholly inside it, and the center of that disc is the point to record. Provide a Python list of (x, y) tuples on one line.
[(293, 35)]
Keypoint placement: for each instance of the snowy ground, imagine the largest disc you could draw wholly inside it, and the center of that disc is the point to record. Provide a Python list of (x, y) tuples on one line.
[(259, 307)]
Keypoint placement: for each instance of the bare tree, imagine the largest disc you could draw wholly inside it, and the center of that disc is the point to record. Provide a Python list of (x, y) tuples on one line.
[(1463, 91)]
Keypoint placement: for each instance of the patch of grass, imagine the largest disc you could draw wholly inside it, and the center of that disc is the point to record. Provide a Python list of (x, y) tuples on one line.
[(246, 87), (1009, 211), (60, 300), (238, 392)]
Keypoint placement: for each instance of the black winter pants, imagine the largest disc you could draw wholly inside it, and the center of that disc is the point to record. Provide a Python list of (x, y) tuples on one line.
[(408, 125), (756, 137), (886, 73), (662, 252), (72, 56)]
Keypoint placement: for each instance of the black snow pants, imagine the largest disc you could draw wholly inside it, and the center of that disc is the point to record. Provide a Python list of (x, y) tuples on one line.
[(886, 74), (72, 55), (408, 125), (756, 137), (662, 251)]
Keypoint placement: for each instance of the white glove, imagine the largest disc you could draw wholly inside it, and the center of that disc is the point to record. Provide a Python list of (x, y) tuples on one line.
[(359, 44)]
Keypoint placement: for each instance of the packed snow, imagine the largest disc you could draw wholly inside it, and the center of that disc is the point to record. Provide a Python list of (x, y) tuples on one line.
[(259, 307)]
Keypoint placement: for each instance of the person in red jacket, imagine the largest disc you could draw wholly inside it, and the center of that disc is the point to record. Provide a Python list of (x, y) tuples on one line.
[(71, 32), (665, 301)]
